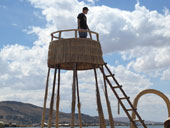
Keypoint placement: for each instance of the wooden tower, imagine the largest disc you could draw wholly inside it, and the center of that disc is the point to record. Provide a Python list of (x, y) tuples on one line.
[(81, 54)]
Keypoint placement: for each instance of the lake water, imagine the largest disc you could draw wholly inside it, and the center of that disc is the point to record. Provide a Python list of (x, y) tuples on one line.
[(127, 127), (159, 126)]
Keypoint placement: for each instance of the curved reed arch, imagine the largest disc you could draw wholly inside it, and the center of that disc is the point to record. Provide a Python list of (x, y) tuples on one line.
[(150, 91)]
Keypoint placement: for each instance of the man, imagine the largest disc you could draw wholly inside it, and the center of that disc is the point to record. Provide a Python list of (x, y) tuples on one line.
[(82, 23)]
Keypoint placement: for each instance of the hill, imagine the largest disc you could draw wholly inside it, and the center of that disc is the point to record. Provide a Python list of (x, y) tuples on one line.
[(27, 114), (24, 113)]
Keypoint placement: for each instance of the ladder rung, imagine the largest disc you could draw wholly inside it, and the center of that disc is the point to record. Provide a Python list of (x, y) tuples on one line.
[(110, 75), (123, 98), (131, 109), (117, 86)]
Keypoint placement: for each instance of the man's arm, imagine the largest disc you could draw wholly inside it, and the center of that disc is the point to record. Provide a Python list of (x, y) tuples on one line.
[(78, 21), (88, 27)]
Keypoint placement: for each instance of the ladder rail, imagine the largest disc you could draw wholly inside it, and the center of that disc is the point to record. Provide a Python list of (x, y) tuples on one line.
[(131, 105), (118, 98), (123, 92)]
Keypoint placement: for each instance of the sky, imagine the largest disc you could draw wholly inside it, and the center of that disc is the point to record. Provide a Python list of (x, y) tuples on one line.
[(135, 40)]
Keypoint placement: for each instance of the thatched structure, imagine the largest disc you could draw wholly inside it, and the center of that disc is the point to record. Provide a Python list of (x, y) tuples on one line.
[(86, 53), (73, 54), (82, 54)]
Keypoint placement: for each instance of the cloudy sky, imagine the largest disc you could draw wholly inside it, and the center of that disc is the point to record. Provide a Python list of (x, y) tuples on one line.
[(135, 39)]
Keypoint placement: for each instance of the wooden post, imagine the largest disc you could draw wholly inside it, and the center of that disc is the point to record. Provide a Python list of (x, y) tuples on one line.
[(97, 36), (59, 36), (58, 99), (73, 96), (52, 101), (108, 103), (99, 105), (78, 104), (45, 99), (118, 107), (90, 34), (51, 37), (75, 33)]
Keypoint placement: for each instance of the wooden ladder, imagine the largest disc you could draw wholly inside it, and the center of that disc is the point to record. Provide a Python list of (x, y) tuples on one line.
[(120, 99)]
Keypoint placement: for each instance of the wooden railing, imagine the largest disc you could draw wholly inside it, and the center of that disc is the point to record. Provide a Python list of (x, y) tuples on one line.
[(58, 34)]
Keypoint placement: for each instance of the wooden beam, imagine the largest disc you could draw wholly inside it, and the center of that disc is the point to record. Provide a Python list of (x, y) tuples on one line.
[(73, 97), (78, 104), (45, 99), (99, 105), (108, 103), (58, 100), (52, 101)]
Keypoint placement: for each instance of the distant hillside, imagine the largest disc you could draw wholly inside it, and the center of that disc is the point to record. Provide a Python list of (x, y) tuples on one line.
[(23, 113), (19, 113)]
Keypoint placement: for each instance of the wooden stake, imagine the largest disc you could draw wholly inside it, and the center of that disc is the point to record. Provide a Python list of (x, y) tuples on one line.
[(99, 105), (118, 107), (58, 99), (45, 99), (78, 104), (73, 96), (108, 103), (52, 101)]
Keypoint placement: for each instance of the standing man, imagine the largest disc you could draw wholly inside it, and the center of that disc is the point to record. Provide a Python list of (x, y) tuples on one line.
[(82, 23)]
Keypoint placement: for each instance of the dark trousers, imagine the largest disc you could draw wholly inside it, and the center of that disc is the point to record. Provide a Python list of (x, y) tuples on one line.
[(82, 34)]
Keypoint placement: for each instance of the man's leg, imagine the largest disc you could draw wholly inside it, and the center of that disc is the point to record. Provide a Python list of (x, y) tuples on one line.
[(83, 34)]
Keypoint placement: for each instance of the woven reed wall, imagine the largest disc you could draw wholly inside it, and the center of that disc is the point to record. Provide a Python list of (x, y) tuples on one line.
[(86, 53)]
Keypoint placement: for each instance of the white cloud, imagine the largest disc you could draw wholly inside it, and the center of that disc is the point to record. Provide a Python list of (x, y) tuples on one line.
[(150, 101), (27, 96), (132, 84), (15, 25), (3, 6), (119, 30), (38, 14), (147, 59), (166, 11), (166, 75), (23, 67)]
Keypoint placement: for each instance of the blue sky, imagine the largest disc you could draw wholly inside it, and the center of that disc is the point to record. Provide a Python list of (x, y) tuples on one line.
[(18, 16), (12, 11), (159, 5), (137, 44)]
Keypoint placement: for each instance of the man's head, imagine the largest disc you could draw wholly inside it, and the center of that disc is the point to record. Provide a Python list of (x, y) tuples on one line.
[(85, 10)]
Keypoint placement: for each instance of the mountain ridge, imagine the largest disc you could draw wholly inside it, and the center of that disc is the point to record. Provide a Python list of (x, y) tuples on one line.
[(26, 114)]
